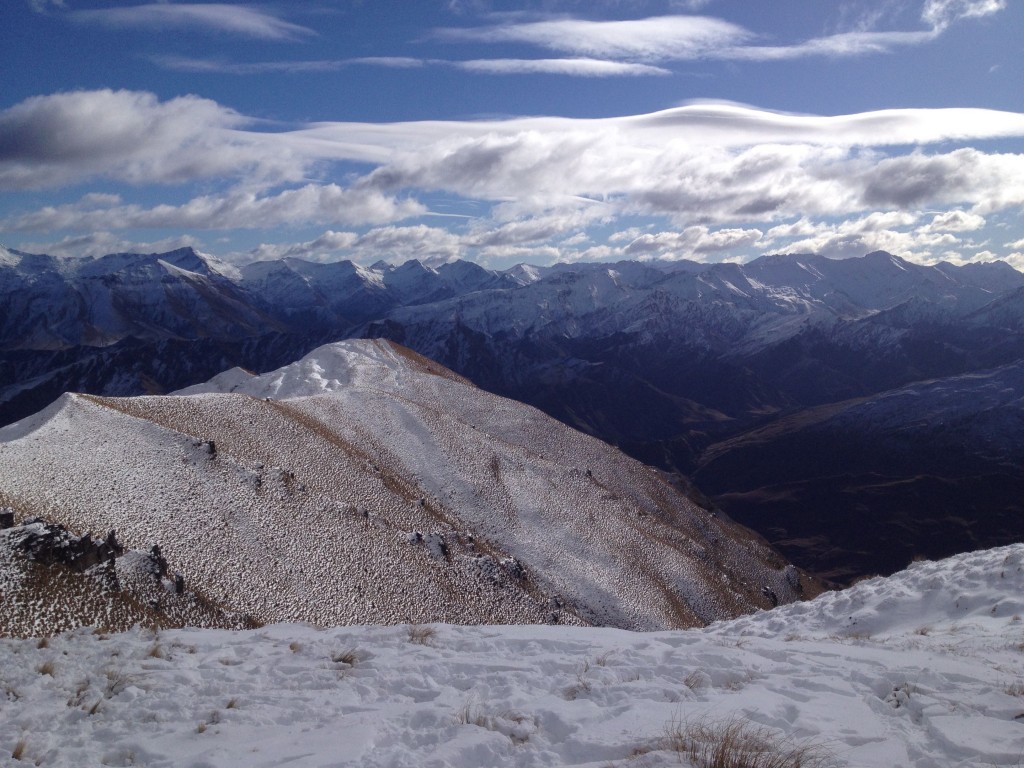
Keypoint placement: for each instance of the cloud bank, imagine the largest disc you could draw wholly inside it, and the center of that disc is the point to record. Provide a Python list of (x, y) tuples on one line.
[(722, 177)]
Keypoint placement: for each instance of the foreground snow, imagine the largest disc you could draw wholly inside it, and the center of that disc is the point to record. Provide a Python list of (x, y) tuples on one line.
[(921, 669)]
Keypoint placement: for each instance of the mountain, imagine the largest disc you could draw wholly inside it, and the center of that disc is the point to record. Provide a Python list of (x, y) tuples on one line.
[(662, 359), (366, 484), (920, 669), (932, 468)]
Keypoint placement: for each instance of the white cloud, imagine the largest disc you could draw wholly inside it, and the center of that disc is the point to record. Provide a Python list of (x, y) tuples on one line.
[(322, 248), (939, 14), (581, 67), (841, 44), (955, 221), (690, 37), (219, 17), (694, 242), (892, 231), (185, 64), (663, 38), (238, 209), (131, 136), (724, 167)]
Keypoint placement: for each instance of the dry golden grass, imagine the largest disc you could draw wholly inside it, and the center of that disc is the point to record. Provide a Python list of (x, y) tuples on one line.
[(738, 743)]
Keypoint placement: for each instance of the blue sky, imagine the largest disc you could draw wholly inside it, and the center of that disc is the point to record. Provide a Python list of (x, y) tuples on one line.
[(555, 130)]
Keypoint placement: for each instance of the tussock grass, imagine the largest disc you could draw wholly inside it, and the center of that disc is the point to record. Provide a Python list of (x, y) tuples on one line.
[(347, 656), (696, 681), (738, 743), (421, 634), (582, 684), (46, 668), (19, 749), (1014, 689)]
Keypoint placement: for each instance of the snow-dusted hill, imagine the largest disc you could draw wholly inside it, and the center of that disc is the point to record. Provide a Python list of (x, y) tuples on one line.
[(365, 484), (919, 670)]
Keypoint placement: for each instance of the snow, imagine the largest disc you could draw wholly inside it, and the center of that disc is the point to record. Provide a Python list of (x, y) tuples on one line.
[(925, 679)]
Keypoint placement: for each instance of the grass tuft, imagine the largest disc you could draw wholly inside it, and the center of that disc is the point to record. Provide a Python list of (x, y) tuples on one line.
[(696, 681), (46, 668), (19, 749), (421, 634), (347, 656), (738, 743)]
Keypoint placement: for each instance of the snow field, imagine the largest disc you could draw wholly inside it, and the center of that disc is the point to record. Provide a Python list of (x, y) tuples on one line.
[(511, 695)]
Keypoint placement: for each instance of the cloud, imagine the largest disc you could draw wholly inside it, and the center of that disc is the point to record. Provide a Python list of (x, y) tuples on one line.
[(955, 221), (66, 138), (989, 181), (391, 243), (939, 14), (694, 242), (320, 249), (690, 38), (579, 67), (185, 64), (216, 17), (239, 209), (892, 231), (841, 44), (582, 67), (48, 141), (724, 167), (663, 38)]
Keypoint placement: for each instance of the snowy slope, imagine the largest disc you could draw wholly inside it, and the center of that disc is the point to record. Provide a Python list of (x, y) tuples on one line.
[(364, 483), (931, 677)]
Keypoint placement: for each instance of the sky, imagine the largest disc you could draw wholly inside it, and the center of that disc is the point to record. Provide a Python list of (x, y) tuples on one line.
[(499, 132)]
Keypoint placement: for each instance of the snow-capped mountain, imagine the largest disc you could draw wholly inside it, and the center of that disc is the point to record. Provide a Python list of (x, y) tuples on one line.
[(663, 359), (366, 484), (918, 670)]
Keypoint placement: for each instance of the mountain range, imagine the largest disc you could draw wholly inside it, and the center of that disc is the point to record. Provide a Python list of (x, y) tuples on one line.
[(782, 386)]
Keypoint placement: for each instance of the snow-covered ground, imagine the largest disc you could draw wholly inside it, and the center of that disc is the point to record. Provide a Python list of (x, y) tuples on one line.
[(922, 669)]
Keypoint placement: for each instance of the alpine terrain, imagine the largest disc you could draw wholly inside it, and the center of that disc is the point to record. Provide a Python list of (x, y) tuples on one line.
[(366, 484), (856, 412)]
